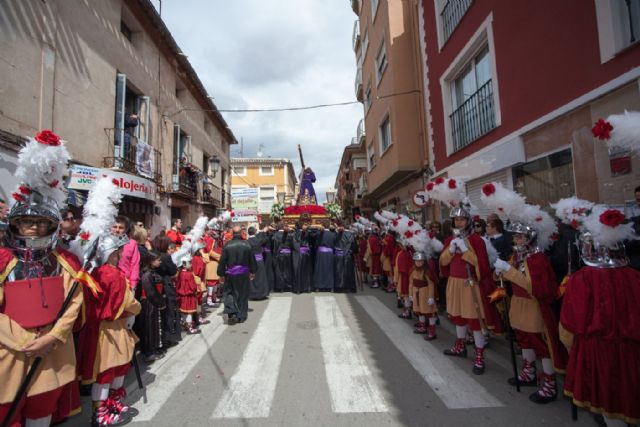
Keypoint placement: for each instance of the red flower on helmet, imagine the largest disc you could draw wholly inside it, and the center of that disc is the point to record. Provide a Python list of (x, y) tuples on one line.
[(233, 214), (47, 137), (85, 235), (538, 218), (439, 180), (394, 223), (574, 224), (410, 223), (357, 217), (24, 189), (612, 218), (431, 235), (452, 184), (54, 183), (602, 129), (430, 186), (408, 234), (417, 232), (488, 189), (18, 197), (501, 209)]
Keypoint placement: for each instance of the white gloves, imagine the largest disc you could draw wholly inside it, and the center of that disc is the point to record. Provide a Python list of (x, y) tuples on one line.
[(501, 266), (130, 321), (430, 301), (458, 244)]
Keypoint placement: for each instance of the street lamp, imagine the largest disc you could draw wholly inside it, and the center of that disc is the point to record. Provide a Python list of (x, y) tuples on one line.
[(281, 195), (214, 165), (331, 196)]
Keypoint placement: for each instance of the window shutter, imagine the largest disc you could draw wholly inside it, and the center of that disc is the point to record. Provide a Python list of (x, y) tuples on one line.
[(474, 190), (118, 137), (142, 131)]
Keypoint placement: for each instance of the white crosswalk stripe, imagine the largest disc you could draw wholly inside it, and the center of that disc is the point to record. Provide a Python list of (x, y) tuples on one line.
[(456, 388), (250, 391), (351, 384)]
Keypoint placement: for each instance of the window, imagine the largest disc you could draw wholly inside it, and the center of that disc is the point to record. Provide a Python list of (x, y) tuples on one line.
[(125, 30), (472, 101), (367, 99), (546, 180), (371, 162), (267, 198), (266, 170), (385, 134), (374, 9), (239, 170), (381, 62), (451, 13), (618, 26)]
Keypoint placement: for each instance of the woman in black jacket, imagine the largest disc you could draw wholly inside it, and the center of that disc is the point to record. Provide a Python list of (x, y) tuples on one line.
[(148, 323), (171, 333)]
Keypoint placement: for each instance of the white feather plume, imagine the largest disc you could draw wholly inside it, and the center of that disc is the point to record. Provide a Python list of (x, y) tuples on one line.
[(450, 191), (42, 168), (502, 201), (626, 130), (572, 211), (189, 243), (380, 218), (604, 234), (98, 214)]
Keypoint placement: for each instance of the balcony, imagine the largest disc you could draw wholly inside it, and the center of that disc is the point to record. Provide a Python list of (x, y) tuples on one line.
[(132, 156), (355, 6), (474, 118), (211, 194), (358, 85), (360, 134), (356, 35), (185, 183), (451, 15)]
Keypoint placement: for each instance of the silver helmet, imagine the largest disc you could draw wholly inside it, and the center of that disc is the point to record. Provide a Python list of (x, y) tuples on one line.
[(419, 256), (598, 255), (463, 209), (107, 244), (33, 207)]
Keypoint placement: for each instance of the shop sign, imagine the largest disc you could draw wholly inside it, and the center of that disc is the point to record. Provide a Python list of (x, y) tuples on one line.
[(245, 218), (83, 178), (244, 199)]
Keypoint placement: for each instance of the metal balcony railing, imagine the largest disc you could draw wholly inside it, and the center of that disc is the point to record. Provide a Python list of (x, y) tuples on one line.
[(355, 38), (211, 194), (358, 84), (185, 183), (132, 156), (354, 140), (474, 118), (360, 132), (451, 15)]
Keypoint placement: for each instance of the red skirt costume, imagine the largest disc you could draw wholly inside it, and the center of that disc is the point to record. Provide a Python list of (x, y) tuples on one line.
[(54, 390), (388, 252), (198, 269), (374, 249), (460, 300), (362, 249), (187, 292), (106, 345), (403, 267), (531, 316), (600, 324)]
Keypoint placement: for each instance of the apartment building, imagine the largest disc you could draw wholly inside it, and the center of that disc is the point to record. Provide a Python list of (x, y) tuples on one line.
[(259, 182), (351, 179), (389, 83), (514, 88), (81, 69)]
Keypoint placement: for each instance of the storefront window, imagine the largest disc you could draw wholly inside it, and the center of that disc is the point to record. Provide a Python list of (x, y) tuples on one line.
[(546, 180)]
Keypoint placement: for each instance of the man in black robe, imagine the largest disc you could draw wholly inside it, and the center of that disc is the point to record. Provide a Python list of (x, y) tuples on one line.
[(323, 275), (345, 247), (269, 265), (283, 253), (259, 285), (236, 269), (302, 260)]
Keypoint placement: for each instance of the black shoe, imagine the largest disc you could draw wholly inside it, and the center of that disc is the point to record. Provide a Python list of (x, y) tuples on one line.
[(400, 305), (532, 383), (478, 370), (448, 352), (536, 398), (232, 320)]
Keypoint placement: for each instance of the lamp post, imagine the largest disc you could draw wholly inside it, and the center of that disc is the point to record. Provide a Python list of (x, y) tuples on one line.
[(331, 196), (214, 165)]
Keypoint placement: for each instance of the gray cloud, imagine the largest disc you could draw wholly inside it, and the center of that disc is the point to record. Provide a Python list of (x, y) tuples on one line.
[(278, 53)]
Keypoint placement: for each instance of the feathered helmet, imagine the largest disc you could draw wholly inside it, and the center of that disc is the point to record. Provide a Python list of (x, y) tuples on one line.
[(452, 193), (367, 225), (603, 231), (523, 218), (411, 234), (42, 166), (107, 244), (190, 244), (621, 131)]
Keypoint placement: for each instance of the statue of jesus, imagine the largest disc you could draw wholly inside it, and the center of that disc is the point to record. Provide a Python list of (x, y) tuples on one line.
[(307, 194)]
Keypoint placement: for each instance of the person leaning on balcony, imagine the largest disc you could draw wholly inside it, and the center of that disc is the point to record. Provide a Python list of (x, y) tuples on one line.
[(130, 124), (175, 233)]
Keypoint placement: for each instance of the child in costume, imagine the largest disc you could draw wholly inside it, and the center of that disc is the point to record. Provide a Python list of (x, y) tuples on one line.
[(422, 287)]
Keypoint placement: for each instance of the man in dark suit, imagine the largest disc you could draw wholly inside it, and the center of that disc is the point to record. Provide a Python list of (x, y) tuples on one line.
[(500, 241)]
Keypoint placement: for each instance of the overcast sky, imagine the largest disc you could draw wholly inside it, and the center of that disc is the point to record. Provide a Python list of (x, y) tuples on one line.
[(253, 54)]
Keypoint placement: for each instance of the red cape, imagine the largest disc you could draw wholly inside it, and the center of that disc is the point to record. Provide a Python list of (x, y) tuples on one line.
[(197, 265)]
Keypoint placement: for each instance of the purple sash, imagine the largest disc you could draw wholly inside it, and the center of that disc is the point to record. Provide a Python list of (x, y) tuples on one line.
[(237, 270), (325, 250), (304, 249), (259, 257), (267, 250), (285, 251), (339, 252)]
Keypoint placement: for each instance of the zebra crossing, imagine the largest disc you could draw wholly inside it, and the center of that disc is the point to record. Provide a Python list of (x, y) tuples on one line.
[(353, 386)]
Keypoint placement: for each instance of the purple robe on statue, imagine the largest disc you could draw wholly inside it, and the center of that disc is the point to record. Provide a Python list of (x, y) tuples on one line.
[(307, 193)]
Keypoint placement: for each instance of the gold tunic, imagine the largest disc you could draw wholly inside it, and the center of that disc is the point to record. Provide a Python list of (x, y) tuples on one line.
[(460, 300), (524, 313)]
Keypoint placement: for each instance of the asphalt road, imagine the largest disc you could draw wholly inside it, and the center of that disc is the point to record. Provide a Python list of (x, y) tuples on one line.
[(331, 360)]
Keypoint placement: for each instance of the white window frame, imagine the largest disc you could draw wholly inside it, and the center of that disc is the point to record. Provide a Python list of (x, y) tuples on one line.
[(381, 50), (386, 119), (438, 6), (260, 173), (482, 37), (374, 9), (371, 153), (613, 28), (235, 172)]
